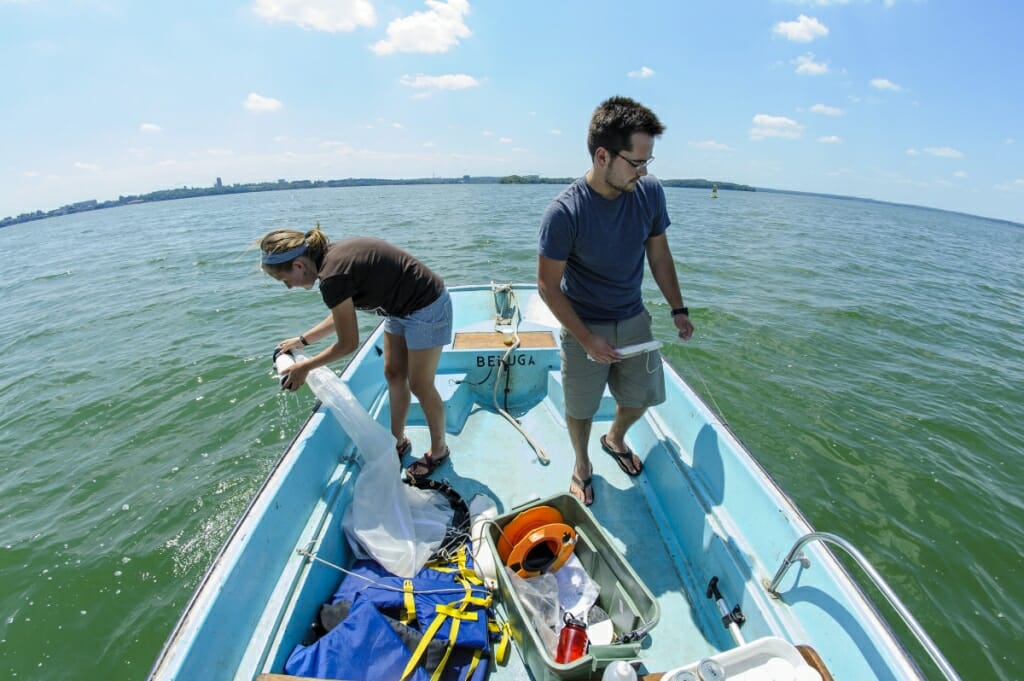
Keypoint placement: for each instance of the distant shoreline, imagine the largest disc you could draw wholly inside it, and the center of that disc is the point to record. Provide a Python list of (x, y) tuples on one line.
[(283, 185)]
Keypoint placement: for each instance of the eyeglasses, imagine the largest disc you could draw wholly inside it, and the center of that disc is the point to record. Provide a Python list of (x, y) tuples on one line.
[(637, 165)]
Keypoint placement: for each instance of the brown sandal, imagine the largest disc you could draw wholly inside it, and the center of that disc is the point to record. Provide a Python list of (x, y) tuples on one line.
[(403, 448), (426, 465)]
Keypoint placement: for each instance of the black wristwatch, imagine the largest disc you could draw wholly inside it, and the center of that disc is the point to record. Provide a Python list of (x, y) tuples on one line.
[(681, 310), (302, 339)]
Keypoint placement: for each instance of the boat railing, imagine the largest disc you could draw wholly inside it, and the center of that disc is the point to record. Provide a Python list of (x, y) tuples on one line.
[(795, 556)]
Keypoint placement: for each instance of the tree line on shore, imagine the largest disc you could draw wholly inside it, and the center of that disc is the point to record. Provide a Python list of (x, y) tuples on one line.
[(219, 188)]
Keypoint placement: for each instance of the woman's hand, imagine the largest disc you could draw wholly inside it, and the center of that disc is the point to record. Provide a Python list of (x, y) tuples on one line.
[(294, 376), (289, 344)]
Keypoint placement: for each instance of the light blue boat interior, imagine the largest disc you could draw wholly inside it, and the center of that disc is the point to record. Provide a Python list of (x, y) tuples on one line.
[(702, 508)]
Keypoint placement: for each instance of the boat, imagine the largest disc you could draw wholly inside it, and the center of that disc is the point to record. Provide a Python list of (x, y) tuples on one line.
[(714, 191), (737, 575)]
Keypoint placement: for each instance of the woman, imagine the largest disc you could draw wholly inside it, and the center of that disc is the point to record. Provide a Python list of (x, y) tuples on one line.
[(368, 274)]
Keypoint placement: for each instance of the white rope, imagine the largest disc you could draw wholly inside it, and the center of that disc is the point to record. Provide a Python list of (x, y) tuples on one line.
[(514, 321), (379, 585)]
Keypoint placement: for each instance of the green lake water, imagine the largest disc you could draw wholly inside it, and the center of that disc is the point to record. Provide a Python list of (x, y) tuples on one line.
[(870, 356)]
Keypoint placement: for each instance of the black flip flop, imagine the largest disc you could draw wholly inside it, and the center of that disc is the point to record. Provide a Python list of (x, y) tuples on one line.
[(622, 458), (586, 487)]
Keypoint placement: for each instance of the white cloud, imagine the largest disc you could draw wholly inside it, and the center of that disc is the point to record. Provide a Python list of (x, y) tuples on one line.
[(260, 104), (337, 147), (803, 30), (710, 145), (885, 84), (505, 140), (31, 173), (451, 81), (831, 139), (1010, 140), (806, 66), (943, 152), (91, 167), (435, 30), (554, 131), (826, 110), (150, 127), (962, 174), (775, 126), (220, 152), (913, 152), (332, 16), (643, 72), (1015, 186)]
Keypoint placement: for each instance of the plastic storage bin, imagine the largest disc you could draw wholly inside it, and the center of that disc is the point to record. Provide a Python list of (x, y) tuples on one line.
[(627, 600)]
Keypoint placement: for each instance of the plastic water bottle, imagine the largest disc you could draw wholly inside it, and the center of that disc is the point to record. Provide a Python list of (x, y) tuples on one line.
[(619, 671)]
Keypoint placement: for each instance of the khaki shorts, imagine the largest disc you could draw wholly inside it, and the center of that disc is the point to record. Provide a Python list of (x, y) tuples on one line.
[(637, 382)]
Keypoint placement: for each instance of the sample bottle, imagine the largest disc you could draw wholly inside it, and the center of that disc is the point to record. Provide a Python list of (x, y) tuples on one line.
[(619, 671), (572, 641)]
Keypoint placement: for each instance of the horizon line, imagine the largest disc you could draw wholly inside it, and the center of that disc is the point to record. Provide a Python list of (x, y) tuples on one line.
[(95, 204)]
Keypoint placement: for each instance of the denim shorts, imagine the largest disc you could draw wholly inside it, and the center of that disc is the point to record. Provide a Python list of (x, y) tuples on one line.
[(427, 327), (638, 381)]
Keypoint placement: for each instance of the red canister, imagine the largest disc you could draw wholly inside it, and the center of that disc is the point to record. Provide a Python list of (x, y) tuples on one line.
[(572, 642)]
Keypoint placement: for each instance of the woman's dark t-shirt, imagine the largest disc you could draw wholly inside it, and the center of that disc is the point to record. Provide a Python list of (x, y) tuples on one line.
[(377, 276)]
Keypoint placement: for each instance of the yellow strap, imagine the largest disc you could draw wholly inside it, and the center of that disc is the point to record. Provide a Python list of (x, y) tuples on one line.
[(502, 647), (458, 613), (448, 651), (459, 563), (428, 636), (477, 654), (467, 573), (456, 610), (410, 603)]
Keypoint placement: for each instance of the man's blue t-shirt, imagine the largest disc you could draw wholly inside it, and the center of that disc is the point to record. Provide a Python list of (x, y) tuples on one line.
[(603, 244)]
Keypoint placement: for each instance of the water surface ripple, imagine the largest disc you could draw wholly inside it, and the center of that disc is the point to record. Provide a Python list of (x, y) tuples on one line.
[(868, 354)]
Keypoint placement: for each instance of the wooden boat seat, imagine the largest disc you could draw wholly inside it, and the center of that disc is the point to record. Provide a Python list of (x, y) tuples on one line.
[(495, 340)]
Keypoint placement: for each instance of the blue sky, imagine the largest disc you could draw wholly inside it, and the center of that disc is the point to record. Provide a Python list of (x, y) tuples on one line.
[(911, 101)]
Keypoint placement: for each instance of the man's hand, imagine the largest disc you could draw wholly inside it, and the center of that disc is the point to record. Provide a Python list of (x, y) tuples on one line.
[(600, 350), (682, 323)]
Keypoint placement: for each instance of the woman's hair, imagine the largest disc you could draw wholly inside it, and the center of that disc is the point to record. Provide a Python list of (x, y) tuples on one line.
[(615, 120), (291, 244)]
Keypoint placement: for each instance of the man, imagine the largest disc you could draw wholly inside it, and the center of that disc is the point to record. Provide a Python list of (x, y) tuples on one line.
[(594, 238)]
